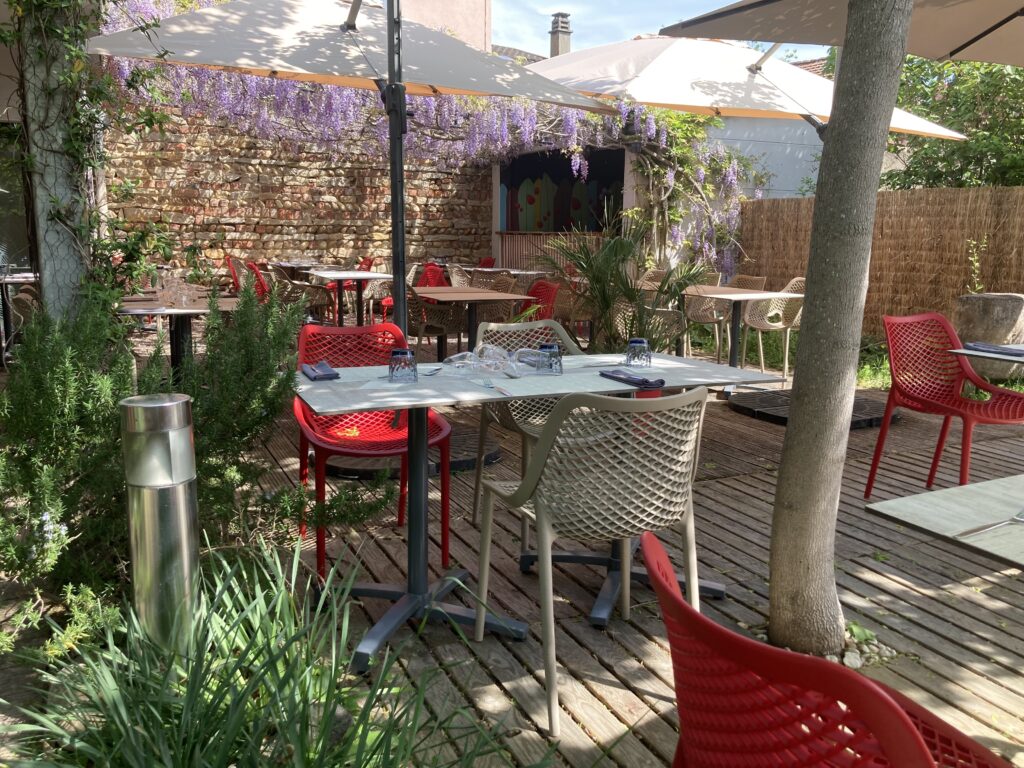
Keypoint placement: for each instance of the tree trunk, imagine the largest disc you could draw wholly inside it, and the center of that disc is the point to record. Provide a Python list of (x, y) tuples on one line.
[(805, 613), (56, 199)]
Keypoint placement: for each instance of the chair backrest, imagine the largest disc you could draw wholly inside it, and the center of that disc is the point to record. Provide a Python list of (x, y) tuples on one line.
[(742, 702), (259, 282), (608, 468), (486, 262), (919, 358), (704, 310), (366, 263), (349, 347), (460, 278), (748, 282), (237, 270), (23, 306), (781, 311), (432, 276), (531, 335), (544, 293)]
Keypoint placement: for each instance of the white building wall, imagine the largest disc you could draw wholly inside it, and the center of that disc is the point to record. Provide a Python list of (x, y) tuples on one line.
[(789, 150)]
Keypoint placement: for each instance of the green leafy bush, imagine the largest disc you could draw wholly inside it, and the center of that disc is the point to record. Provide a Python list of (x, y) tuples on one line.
[(264, 683)]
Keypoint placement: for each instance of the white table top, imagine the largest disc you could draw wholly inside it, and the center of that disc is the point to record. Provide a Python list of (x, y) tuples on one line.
[(367, 388), (737, 294), (1019, 359), (348, 274)]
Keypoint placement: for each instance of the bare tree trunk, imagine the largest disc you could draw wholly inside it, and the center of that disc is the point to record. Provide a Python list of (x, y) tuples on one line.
[(805, 613), (57, 204)]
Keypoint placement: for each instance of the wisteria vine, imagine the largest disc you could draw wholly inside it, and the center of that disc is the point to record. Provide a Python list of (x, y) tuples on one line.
[(693, 192)]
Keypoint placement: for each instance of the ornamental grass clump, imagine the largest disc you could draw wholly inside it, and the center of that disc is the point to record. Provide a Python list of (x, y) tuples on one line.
[(264, 682)]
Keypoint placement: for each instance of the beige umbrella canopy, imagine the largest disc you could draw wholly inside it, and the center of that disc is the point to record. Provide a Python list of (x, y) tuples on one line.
[(967, 30), (310, 40), (707, 77)]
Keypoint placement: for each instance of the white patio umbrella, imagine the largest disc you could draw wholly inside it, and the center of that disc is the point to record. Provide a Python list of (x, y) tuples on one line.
[(336, 42), (709, 77), (966, 30)]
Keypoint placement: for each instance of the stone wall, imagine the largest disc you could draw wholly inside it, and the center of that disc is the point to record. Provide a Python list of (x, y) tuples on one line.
[(258, 200)]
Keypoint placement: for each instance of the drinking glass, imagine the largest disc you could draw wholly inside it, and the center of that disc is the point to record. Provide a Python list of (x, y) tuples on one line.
[(553, 358), (402, 368), (638, 353)]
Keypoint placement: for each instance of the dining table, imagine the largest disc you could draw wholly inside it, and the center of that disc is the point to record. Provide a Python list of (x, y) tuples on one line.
[(471, 298), (339, 276), (367, 389), (737, 297), (180, 310)]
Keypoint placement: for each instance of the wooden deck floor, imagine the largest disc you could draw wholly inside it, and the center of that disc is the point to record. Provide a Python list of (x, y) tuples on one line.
[(955, 616)]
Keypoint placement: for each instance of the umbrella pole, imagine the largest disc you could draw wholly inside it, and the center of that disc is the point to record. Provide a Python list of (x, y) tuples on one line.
[(394, 102)]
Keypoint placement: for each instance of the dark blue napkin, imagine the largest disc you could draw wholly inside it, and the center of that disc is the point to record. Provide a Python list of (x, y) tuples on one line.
[(633, 380), (995, 349), (322, 371)]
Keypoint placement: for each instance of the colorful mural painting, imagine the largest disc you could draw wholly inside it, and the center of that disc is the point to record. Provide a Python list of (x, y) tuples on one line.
[(540, 194)]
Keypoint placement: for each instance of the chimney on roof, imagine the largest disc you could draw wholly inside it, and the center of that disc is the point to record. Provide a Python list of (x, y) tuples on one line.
[(560, 34)]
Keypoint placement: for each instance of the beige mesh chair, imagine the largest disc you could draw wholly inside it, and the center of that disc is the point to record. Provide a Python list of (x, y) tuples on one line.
[(427, 319), (499, 311), (487, 279), (704, 312), (774, 315), (527, 417), (458, 277), (603, 469)]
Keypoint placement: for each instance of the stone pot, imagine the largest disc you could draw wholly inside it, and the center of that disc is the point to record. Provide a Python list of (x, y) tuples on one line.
[(995, 318)]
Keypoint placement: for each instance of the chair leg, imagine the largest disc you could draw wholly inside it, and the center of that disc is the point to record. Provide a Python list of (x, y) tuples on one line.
[(690, 569), (785, 355), (760, 350), (446, 480), (478, 475), (484, 569), (939, 446), (320, 480), (718, 343), (626, 563), (890, 406), (403, 489), (965, 452), (303, 476), (547, 613), (524, 520)]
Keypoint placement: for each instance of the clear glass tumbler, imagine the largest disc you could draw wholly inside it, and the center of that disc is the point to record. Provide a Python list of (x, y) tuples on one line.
[(553, 361), (638, 353), (402, 367)]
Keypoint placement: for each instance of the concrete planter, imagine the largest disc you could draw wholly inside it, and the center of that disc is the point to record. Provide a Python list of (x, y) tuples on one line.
[(996, 318)]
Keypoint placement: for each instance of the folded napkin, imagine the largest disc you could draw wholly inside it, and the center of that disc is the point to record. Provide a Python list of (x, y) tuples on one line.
[(322, 371), (996, 349), (633, 380)]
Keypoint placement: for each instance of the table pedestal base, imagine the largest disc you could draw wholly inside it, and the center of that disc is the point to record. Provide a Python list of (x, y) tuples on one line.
[(608, 597), (409, 606)]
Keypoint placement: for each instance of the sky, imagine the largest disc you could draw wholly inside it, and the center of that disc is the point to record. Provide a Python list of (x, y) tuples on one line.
[(525, 24)]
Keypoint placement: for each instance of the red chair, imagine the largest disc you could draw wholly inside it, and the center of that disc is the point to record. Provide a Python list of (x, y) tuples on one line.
[(431, 275), (372, 434), (259, 282), (486, 262), (745, 704), (544, 293), (236, 282), (928, 379)]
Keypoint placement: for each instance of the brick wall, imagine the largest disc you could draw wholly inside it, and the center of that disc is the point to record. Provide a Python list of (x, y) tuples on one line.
[(258, 200)]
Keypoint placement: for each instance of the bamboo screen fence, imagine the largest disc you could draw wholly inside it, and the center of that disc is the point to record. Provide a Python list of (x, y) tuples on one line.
[(919, 259)]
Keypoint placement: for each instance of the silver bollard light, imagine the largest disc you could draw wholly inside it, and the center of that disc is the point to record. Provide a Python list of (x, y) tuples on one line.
[(160, 466)]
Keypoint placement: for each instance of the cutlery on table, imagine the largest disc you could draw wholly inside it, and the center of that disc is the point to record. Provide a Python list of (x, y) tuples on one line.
[(1017, 518)]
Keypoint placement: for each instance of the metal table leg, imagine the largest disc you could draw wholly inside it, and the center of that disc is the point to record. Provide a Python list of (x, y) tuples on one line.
[(734, 330), (420, 599), (608, 597), (181, 341), (339, 297), (359, 301), (471, 320)]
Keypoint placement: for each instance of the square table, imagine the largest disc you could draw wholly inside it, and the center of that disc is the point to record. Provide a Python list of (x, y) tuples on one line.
[(470, 297), (357, 276), (366, 389), (738, 296)]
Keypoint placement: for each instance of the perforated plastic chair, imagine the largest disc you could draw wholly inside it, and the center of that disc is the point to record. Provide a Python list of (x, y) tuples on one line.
[(928, 379), (773, 315), (704, 312), (603, 469), (460, 278), (260, 285), (498, 311), (544, 293), (370, 434), (486, 262), (745, 704), (525, 417), (236, 268)]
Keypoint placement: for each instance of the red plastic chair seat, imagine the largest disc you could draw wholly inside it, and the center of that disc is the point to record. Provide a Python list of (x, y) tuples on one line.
[(370, 434), (745, 704)]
